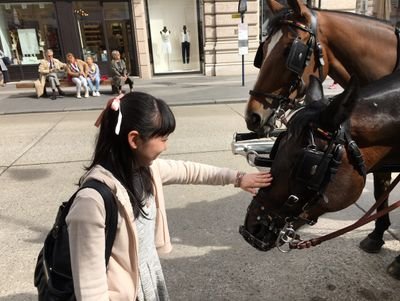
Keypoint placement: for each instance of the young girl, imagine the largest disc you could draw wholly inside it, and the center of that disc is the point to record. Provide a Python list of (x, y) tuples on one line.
[(134, 131), (93, 77)]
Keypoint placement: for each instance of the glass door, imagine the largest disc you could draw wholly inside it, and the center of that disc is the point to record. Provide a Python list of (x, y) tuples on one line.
[(121, 39), (92, 40), (119, 33), (89, 16)]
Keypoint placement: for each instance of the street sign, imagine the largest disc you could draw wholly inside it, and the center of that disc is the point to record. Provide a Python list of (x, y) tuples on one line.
[(243, 38)]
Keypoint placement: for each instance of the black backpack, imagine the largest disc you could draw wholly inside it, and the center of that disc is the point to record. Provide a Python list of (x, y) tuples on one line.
[(53, 276)]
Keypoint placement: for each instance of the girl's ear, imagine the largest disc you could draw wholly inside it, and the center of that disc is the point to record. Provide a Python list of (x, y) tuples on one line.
[(133, 137)]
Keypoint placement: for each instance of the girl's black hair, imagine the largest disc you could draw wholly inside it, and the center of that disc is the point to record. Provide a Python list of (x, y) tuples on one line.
[(150, 117)]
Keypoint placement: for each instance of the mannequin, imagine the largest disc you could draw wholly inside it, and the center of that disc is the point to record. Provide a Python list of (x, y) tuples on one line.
[(166, 43), (185, 39)]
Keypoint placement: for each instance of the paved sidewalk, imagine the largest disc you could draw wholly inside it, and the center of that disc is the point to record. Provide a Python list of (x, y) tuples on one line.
[(43, 155), (175, 90)]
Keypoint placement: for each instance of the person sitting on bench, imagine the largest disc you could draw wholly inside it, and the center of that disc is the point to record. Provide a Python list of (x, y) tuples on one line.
[(119, 73), (93, 77), (48, 69), (77, 72)]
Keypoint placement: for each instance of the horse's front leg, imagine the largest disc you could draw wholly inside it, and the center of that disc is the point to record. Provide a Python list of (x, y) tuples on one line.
[(374, 241)]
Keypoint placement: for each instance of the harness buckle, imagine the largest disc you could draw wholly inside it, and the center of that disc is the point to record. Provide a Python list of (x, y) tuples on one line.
[(286, 236), (320, 54)]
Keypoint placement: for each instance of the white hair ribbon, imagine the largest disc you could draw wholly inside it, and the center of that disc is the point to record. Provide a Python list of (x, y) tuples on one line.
[(116, 106)]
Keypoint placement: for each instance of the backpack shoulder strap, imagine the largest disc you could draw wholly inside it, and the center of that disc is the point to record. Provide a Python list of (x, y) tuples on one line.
[(111, 212)]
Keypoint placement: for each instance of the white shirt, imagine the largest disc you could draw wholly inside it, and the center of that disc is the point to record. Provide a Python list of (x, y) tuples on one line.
[(185, 37)]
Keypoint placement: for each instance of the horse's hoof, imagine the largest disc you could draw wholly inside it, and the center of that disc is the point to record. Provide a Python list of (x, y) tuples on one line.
[(394, 269), (371, 245)]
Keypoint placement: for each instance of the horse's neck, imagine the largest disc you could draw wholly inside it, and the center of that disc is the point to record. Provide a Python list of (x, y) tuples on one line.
[(375, 125), (355, 45)]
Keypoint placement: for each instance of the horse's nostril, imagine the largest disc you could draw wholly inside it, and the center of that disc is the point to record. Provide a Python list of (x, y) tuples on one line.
[(255, 120)]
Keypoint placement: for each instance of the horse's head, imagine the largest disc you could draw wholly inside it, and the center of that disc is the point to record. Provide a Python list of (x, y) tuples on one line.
[(286, 58), (306, 158)]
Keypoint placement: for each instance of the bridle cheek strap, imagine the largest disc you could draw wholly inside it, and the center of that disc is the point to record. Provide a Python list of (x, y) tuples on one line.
[(293, 64)]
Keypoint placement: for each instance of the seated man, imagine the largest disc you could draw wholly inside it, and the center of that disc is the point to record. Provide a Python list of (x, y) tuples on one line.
[(48, 69), (119, 73)]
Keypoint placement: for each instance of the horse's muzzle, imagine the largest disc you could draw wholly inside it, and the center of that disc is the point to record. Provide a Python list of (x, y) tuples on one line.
[(254, 241), (263, 234)]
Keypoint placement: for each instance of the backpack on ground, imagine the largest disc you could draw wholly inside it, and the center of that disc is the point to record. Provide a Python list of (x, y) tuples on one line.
[(53, 276)]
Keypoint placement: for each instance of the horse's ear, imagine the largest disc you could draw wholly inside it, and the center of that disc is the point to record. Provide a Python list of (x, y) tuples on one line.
[(299, 8), (274, 6), (341, 106), (315, 91)]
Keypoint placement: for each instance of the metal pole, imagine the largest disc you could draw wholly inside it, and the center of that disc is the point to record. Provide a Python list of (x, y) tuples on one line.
[(242, 18)]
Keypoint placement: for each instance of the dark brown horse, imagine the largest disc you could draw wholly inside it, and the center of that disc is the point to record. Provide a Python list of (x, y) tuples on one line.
[(301, 42), (316, 166)]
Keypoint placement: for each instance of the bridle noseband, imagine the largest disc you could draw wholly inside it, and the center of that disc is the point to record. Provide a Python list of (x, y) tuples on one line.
[(298, 59)]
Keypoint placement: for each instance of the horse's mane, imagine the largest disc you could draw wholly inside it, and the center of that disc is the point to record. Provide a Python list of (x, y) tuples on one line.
[(372, 18), (300, 120), (274, 23)]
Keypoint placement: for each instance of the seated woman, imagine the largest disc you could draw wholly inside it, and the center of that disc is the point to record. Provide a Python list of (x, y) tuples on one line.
[(93, 77), (77, 72), (119, 73)]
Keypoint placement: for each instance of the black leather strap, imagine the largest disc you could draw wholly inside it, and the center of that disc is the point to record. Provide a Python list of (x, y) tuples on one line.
[(397, 32), (355, 154), (110, 205)]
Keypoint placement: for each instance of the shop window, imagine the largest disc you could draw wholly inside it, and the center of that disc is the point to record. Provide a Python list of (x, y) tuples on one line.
[(27, 30), (174, 35), (104, 27)]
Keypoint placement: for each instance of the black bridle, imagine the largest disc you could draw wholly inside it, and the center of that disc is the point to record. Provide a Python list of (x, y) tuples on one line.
[(312, 172), (298, 59)]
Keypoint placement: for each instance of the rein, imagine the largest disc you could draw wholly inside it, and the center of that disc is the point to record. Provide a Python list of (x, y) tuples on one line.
[(366, 218)]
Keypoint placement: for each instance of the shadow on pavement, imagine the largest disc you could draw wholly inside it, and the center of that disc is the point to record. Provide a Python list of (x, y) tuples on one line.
[(211, 261), (19, 297), (41, 231), (29, 174)]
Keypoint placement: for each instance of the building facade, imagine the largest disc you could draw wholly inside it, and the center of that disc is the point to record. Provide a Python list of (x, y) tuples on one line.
[(155, 37), (85, 28)]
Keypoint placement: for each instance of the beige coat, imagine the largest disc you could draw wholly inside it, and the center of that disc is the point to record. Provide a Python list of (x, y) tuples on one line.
[(44, 70), (86, 224)]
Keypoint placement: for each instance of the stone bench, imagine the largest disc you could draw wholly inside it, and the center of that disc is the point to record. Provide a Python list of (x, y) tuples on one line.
[(63, 83)]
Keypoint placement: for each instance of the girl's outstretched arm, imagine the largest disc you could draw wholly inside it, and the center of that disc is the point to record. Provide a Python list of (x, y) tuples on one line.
[(251, 182)]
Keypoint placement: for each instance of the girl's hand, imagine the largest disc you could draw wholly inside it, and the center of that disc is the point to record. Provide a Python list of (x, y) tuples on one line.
[(251, 182)]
